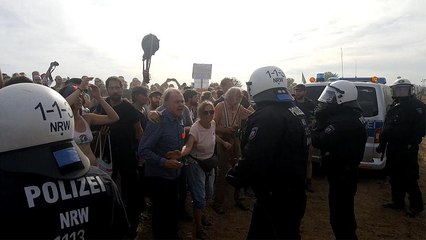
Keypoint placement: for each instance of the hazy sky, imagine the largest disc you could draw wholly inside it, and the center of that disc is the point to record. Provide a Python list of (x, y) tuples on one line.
[(103, 38)]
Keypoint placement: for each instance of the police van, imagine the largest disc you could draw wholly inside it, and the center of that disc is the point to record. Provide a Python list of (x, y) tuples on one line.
[(375, 98)]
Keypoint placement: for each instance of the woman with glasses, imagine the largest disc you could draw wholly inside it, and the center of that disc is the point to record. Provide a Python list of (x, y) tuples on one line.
[(200, 147)]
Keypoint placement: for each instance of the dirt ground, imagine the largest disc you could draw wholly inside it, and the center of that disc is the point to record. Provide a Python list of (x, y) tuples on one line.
[(374, 221)]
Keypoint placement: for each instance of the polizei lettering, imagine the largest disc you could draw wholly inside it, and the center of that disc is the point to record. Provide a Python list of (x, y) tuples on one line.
[(52, 192), (60, 126)]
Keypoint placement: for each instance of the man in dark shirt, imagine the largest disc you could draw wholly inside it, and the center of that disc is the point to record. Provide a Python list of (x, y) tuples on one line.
[(307, 106), (123, 147), (162, 167)]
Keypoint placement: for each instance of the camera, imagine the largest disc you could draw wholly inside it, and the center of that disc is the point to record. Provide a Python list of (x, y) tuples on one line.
[(54, 64)]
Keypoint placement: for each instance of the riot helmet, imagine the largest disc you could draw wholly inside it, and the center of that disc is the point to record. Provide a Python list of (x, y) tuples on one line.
[(37, 133), (268, 84), (339, 92), (402, 88)]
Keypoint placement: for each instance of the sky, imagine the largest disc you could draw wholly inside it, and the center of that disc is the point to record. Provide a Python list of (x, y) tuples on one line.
[(102, 38)]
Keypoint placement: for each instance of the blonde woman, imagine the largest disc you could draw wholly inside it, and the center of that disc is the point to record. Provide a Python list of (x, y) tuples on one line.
[(82, 121), (200, 148)]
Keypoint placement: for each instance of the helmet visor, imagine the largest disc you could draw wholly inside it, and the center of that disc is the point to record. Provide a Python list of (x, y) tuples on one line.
[(401, 91), (328, 96)]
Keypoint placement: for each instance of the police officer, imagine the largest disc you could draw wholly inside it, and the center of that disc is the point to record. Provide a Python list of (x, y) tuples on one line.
[(274, 158), (47, 188), (402, 133), (341, 135)]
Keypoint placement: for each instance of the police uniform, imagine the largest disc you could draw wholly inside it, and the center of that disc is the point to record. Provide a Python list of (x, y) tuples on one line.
[(274, 165), (341, 136), (403, 131), (88, 207), (47, 188)]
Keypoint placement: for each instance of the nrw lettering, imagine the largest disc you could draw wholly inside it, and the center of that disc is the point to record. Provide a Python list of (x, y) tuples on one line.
[(74, 217), (60, 126), (278, 80)]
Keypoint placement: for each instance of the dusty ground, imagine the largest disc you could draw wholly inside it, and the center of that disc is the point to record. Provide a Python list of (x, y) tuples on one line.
[(374, 222)]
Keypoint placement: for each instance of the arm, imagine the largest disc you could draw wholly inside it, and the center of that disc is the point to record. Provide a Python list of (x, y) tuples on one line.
[(177, 83), (165, 85), (71, 99), (148, 142), (225, 144), (328, 138), (246, 112), (186, 149), (154, 116), (96, 119), (138, 130)]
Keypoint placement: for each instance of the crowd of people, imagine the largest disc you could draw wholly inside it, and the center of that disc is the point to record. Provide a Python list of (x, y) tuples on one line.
[(168, 140)]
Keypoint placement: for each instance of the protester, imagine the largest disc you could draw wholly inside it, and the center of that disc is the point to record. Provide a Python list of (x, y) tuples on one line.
[(18, 79), (200, 148), (191, 101), (82, 133), (154, 100), (206, 96), (124, 134), (229, 115), (162, 167)]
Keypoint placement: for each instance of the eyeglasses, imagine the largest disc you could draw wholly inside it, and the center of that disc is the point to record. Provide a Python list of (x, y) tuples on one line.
[(211, 112)]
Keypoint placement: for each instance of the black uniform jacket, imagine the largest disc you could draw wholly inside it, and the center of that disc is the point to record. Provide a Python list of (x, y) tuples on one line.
[(405, 123), (341, 137), (88, 207), (275, 148)]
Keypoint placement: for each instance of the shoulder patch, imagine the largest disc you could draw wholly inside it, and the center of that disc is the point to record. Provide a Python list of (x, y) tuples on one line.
[(329, 129), (253, 133), (420, 110)]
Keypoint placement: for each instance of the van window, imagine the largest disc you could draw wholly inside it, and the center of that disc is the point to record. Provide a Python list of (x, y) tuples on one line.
[(367, 99)]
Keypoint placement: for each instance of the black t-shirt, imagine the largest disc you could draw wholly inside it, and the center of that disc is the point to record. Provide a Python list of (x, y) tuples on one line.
[(33, 206), (123, 133)]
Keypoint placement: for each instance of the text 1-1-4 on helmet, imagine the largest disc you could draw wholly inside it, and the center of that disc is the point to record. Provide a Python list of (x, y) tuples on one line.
[(402, 88), (37, 133), (268, 84), (339, 92)]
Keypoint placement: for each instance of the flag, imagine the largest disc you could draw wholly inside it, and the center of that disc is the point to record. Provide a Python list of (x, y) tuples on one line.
[(303, 78)]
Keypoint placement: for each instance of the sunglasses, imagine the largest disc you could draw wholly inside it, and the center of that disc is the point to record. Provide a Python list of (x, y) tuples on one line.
[(211, 112)]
